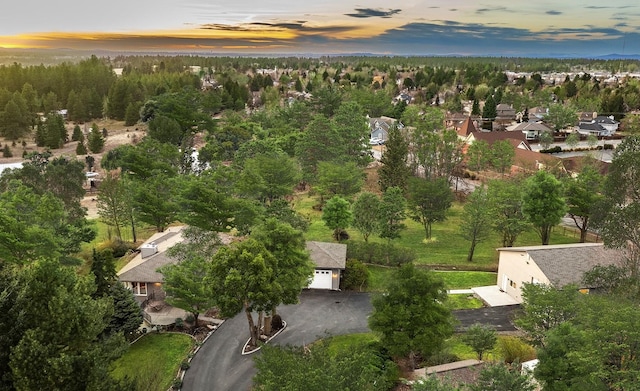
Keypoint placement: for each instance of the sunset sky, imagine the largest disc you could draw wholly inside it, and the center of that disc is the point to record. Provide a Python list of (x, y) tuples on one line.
[(413, 27)]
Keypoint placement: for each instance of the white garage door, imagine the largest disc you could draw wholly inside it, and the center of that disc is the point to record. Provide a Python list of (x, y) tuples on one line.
[(321, 280)]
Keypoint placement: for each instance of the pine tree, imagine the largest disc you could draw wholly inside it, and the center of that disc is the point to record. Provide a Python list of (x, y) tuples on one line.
[(394, 170), (95, 140)]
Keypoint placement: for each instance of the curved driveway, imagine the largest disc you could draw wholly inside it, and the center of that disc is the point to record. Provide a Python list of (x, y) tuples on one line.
[(219, 365)]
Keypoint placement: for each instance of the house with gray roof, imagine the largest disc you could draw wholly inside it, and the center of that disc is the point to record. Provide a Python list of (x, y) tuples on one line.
[(330, 260), (557, 265), (141, 274), (379, 127), (599, 126)]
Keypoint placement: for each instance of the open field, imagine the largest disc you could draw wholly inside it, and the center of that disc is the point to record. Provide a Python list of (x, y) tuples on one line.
[(445, 250)]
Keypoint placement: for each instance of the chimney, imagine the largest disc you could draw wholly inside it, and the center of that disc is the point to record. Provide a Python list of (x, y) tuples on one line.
[(147, 250)]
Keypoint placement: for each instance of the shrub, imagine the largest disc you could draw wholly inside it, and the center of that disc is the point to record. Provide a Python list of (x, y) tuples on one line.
[(555, 149), (184, 365), (276, 322), (190, 318), (77, 134), (177, 383), (379, 253), (356, 275), (81, 149), (440, 358), (480, 338), (119, 247), (514, 349), (179, 323), (6, 151)]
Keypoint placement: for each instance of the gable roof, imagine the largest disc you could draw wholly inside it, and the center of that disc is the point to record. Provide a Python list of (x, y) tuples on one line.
[(328, 255), (141, 269), (532, 127), (566, 264), (534, 161), (467, 128), (492, 137)]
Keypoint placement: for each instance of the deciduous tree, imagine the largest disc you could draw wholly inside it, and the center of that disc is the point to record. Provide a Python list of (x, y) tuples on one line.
[(241, 278), (366, 209), (543, 203), (476, 219), (428, 201), (185, 285), (583, 193), (506, 203), (411, 316), (337, 215)]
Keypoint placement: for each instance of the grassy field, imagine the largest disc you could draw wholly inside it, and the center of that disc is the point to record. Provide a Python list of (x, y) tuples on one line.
[(446, 249), (452, 279), (154, 359)]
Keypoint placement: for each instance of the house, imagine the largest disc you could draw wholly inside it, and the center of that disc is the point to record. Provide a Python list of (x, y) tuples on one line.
[(601, 126), (141, 276), (379, 127), (505, 115), (557, 265), (330, 260), (467, 128), (531, 130), (537, 113), (505, 111)]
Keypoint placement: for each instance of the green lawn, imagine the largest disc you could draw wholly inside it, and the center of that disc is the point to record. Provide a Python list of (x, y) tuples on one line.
[(452, 279), (155, 358), (467, 279), (341, 343), (455, 346), (446, 249), (463, 302)]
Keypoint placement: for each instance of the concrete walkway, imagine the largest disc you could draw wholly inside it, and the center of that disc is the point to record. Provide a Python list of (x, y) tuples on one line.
[(493, 296)]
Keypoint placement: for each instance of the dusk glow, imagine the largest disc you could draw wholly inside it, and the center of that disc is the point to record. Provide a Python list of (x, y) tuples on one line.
[(436, 27)]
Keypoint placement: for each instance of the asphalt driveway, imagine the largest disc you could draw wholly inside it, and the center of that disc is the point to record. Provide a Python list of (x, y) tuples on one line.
[(220, 366), (500, 318)]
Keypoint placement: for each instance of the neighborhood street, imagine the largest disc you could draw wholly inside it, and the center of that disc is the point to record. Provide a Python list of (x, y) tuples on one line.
[(220, 366)]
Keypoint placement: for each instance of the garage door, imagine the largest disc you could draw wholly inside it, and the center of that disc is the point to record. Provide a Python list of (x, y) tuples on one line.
[(321, 279)]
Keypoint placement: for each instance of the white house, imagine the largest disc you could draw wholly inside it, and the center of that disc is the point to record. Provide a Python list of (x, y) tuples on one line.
[(556, 265)]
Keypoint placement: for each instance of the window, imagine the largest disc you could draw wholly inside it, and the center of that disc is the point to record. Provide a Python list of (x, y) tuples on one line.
[(139, 288)]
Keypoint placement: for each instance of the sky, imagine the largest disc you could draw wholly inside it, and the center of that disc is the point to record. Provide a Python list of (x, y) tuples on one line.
[(538, 28)]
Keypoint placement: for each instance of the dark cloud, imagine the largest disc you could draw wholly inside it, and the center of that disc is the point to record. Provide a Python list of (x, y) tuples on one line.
[(602, 7), (373, 13), (299, 26), (552, 12), (451, 37), (492, 9)]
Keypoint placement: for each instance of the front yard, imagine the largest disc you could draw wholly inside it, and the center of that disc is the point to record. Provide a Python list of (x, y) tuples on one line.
[(153, 361)]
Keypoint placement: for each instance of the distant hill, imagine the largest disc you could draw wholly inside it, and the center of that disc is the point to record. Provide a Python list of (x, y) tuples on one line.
[(616, 56)]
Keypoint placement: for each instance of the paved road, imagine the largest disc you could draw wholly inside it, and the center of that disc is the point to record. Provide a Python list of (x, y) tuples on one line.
[(498, 317), (219, 365)]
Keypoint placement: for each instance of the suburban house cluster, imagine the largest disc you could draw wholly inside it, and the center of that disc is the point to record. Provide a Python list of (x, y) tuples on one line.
[(141, 274)]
